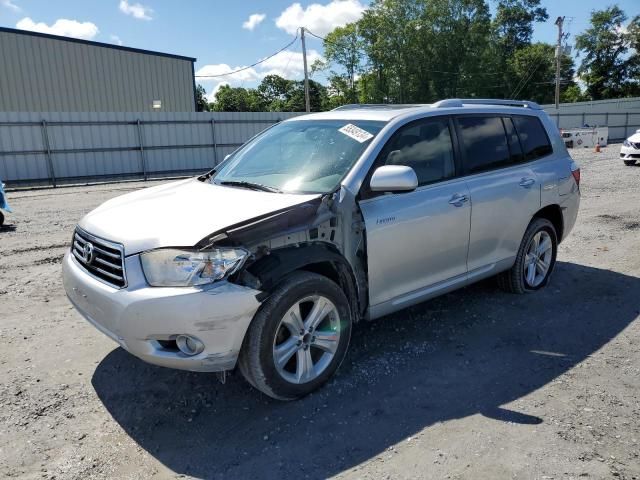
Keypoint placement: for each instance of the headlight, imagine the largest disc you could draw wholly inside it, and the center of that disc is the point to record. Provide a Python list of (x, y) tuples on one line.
[(183, 268), (626, 143)]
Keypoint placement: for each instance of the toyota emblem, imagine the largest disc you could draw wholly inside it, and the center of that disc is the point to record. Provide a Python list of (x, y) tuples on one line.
[(87, 253)]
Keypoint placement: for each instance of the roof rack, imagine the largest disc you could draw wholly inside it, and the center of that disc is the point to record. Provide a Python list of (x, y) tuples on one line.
[(460, 102), (373, 106)]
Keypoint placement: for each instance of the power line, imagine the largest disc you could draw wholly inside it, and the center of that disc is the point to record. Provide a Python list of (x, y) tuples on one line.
[(527, 76), (253, 64)]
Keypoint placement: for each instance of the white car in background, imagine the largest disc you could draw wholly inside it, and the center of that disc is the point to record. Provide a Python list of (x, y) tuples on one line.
[(630, 150)]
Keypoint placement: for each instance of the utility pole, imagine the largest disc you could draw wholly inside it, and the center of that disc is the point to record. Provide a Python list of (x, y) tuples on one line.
[(559, 22), (307, 101)]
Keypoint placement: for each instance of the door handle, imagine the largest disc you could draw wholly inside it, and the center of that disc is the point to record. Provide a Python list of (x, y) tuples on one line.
[(458, 200), (526, 182)]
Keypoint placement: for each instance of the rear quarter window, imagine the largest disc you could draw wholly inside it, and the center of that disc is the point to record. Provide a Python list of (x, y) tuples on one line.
[(533, 137)]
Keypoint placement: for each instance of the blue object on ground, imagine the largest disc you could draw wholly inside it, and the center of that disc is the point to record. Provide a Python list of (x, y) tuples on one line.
[(3, 199)]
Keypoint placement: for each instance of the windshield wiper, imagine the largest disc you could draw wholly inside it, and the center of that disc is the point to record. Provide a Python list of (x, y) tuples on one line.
[(251, 185)]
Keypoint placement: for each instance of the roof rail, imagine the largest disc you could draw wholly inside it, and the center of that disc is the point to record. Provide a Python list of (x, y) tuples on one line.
[(451, 102), (459, 102), (389, 106)]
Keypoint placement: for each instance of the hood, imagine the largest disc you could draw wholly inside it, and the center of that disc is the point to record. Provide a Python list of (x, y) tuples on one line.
[(635, 138), (180, 214)]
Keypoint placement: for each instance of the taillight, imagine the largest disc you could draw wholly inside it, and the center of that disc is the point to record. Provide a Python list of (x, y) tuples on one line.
[(575, 171)]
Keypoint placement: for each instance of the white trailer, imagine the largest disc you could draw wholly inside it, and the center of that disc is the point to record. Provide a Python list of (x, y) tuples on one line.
[(586, 137)]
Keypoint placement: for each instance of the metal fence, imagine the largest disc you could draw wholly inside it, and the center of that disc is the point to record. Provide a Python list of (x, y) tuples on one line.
[(65, 148), (621, 124)]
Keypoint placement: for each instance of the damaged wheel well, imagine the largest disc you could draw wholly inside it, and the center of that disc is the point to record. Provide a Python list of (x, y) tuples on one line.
[(317, 258)]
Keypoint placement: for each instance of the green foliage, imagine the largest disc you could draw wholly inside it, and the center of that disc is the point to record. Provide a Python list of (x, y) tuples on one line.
[(343, 47), (230, 99), (425, 50), (420, 51), (610, 65), (535, 65), (274, 94), (514, 21), (201, 102)]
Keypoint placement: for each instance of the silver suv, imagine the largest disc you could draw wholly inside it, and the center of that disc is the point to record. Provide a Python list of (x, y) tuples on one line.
[(265, 262)]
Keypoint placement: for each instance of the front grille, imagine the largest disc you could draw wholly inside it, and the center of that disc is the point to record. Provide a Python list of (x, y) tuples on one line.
[(102, 259), (635, 145)]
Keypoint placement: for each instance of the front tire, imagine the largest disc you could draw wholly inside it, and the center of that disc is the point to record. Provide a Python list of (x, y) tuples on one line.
[(1, 219), (298, 338), (535, 259), (629, 163)]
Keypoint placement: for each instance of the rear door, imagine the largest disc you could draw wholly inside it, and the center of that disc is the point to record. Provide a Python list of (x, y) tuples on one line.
[(417, 239), (505, 192)]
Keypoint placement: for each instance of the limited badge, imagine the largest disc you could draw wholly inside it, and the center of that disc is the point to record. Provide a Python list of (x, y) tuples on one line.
[(356, 133)]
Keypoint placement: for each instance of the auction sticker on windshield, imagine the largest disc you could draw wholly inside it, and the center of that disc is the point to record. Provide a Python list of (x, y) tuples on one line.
[(356, 133)]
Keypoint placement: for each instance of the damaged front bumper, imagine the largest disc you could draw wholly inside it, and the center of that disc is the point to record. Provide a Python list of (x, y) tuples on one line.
[(146, 320)]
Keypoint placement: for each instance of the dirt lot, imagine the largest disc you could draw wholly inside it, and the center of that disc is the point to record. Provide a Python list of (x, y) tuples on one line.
[(476, 384)]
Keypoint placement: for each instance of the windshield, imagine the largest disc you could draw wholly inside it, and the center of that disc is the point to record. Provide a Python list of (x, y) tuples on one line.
[(302, 156)]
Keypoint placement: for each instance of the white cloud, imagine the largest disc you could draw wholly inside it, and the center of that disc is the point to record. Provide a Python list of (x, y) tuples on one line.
[(10, 5), (320, 19), (62, 26), (287, 64), (247, 75), (136, 10), (253, 21), (116, 39)]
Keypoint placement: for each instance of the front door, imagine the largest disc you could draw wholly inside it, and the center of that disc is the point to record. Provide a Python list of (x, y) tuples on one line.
[(419, 239)]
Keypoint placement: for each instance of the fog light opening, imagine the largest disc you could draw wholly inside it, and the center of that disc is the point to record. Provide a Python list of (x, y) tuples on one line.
[(189, 345)]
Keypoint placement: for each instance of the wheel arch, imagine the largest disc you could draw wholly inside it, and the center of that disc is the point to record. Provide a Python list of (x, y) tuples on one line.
[(319, 258), (553, 213)]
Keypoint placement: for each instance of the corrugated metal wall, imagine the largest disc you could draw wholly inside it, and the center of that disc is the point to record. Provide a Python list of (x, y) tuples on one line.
[(41, 73), (621, 115), (596, 106), (57, 148)]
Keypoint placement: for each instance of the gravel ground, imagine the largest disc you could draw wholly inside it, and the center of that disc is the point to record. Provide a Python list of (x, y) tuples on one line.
[(475, 384)]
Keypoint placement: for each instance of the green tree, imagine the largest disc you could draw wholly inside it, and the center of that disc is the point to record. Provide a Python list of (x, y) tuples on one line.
[(295, 100), (424, 50), (230, 99), (610, 64), (514, 21), (274, 92), (512, 30), (343, 46), (572, 94), (534, 68), (201, 101)]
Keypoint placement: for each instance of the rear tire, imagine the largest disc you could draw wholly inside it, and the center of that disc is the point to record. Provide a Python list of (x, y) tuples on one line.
[(629, 163), (298, 338), (535, 259)]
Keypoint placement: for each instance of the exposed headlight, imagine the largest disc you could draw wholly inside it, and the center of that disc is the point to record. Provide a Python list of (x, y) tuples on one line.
[(626, 143), (182, 268)]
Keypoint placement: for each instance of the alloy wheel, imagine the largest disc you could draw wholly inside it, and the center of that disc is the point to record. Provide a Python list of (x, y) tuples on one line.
[(307, 339), (538, 258)]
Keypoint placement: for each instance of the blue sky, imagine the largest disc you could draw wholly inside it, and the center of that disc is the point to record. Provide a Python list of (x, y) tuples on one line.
[(223, 35)]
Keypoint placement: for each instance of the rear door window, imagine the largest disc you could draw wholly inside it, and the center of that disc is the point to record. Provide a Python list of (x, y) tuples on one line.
[(484, 143), (533, 137)]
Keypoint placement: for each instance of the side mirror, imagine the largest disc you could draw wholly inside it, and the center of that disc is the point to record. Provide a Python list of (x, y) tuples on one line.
[(393, 178)]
